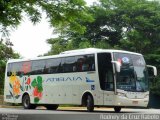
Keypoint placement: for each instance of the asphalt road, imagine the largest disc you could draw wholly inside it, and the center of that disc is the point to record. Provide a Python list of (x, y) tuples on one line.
[(77, 114)]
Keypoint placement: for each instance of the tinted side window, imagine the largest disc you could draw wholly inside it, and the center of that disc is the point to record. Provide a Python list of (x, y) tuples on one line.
[(53, 65), (85, 63), (9, 67), (91, 62), (69, 64), (26, 67), (38, 67), (14, 67), (79, 63)]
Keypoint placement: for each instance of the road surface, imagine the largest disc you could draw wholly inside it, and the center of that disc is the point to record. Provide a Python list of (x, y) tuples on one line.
[(77, 114)]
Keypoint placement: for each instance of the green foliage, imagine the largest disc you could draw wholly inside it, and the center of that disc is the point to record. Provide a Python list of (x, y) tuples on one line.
[(103, 45), (62, 14), (57, 46), (155, 86), (11, 13), (85, 44)]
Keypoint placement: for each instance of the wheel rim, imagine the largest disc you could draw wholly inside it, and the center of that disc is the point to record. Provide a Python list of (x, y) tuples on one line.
[(88, 102), (89, 105), (26, 102)]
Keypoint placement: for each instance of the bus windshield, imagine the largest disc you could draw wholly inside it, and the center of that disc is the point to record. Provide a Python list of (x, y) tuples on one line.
[(133, 74)]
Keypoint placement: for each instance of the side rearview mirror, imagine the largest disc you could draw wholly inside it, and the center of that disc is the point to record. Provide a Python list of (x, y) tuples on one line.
[(152, 70), (117, 65)]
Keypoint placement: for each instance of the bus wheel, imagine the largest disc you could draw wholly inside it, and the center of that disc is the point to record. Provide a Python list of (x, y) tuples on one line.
[(117, 109), (51, 107), (90, 103), (26, 102)]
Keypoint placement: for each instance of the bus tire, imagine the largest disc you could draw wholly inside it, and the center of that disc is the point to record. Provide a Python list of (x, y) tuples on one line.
[(117, 109), (90, 103), (51, 107), (26, 102)]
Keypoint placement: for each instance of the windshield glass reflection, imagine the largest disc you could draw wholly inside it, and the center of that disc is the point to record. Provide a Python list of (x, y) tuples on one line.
[(133, 74)]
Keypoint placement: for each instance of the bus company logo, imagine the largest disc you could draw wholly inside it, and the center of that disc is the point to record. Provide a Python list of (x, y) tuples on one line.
[(63, 79), (125, 60), (89, 80)]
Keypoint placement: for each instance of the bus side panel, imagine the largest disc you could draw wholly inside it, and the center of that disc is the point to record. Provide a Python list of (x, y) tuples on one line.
[(12, 92), (68, 88), (62, 89), (65, 88), (93, 88)]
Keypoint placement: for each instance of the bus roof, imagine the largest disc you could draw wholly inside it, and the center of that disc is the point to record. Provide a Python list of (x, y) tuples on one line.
[(75, 52)]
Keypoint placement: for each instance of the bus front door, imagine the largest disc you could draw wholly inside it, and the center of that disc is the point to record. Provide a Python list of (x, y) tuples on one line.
[(106, 78)]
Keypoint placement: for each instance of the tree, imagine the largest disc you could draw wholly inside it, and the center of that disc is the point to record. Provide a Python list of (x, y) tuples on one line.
[(125, 24), (60, 13)]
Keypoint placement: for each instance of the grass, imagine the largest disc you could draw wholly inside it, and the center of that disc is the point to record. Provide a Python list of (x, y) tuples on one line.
[(68, 105)]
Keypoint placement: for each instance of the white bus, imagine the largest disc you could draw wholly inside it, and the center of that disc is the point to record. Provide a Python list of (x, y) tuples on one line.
[(89, 77)]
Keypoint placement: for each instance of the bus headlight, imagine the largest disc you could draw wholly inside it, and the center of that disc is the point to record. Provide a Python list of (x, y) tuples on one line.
[(122, 94)]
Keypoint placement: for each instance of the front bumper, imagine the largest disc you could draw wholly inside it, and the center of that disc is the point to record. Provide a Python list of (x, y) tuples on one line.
[(124, 101)]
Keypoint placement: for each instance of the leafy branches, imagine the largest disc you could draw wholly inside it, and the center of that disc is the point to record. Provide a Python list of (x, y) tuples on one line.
[(62, 14)]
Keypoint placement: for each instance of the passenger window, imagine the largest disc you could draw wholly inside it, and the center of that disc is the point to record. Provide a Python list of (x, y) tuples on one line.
[(79, 65), (53, 65), (69, 64), (91, 62), (38, 67), (9, 72), (16, 68), (26, 67), (85, 63)]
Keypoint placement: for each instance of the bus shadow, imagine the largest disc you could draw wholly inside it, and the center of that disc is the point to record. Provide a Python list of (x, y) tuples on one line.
[(97, 111), (85, 111)]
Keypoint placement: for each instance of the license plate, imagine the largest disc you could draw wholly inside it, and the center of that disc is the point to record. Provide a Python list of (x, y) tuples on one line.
[(135, 102)]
